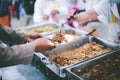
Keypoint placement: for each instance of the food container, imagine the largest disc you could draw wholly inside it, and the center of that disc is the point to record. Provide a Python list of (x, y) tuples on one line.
[(100, 68), (50, 67), (41, 28), (70, 34)]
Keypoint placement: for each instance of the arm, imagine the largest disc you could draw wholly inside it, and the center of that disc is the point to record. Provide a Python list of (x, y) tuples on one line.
[(22, 54), (85, 17), (9, 35), (97, 13), (18, 54)]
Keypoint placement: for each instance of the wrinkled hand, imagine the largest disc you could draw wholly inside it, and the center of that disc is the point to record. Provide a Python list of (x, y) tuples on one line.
[(32, 36), (42, 45)]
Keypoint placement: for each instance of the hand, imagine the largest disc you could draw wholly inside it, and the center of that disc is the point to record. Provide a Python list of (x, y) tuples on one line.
[(84, 18), (81, 18), (45, 17), (42, 45), (54, 12), (32, 36)]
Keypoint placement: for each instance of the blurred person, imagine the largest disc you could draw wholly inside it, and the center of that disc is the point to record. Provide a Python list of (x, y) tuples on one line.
[(107, 12), (11, 9), (50, 10), (29, 10), (5, 12), (24, 46), (16, 4), (100, 27)]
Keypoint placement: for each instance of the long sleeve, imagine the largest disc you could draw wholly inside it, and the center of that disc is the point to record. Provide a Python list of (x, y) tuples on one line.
[(103, 9), (18, 54), (9, 35)]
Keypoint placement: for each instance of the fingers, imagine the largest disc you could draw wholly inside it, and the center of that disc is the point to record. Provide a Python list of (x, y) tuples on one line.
[(38, 35), (52, 45), (29, 40)]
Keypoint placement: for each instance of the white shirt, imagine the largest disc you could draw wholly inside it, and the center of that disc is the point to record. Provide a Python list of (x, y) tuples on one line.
[(45, 6), (91, 3), (106, 9), (81, 4)]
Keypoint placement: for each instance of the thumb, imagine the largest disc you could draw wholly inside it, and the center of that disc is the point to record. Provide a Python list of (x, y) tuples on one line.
[(52, 44)]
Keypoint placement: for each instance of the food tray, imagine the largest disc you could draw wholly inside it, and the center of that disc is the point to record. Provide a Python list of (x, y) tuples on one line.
[(100, 68), (41, 28), (70, 34), (60, 70)]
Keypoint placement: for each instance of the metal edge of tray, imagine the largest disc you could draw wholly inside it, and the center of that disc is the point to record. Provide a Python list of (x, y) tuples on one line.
[(60, 69), (72, 76), (47, 70), (78, 33), (36, 26)]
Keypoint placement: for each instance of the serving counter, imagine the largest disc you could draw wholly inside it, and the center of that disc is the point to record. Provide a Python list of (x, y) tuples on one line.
[(78, 53)]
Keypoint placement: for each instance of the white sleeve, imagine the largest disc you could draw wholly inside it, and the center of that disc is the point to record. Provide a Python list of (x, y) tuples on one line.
[(103, 10), (38, 9)]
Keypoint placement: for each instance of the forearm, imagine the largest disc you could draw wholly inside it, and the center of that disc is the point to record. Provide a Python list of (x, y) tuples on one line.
[(84, 18), (18, 54), (9, 35)]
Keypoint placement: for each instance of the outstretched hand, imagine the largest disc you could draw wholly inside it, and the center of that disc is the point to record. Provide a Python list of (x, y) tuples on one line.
[(42, 44), (32, 36)]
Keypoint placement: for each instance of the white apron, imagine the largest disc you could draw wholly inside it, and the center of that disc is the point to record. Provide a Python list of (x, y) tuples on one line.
[(114, 30)]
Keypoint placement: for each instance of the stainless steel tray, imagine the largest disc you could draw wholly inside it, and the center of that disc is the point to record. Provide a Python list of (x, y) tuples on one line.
[(60, 70), (70, 34), (37, 26), (96, 65)]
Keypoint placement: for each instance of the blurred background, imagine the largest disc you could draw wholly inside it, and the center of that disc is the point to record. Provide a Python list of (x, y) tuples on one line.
[(21, 12)]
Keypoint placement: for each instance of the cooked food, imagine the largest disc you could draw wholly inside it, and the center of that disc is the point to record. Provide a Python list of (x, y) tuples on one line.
[(86, 51), (41, 29), (59, 37), (107, 69)]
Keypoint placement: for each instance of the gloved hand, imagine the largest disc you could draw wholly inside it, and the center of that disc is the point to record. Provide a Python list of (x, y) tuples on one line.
[(42, 44)]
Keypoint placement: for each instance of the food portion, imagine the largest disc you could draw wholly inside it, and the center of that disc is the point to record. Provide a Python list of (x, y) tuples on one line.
[(59, 37), (62, 37), (41, 29), (72, 56), (107, 69)]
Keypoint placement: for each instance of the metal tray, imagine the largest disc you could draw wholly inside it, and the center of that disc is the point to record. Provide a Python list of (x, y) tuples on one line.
[(71, 34), (35, 26), (50, 65), (96, 65)]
